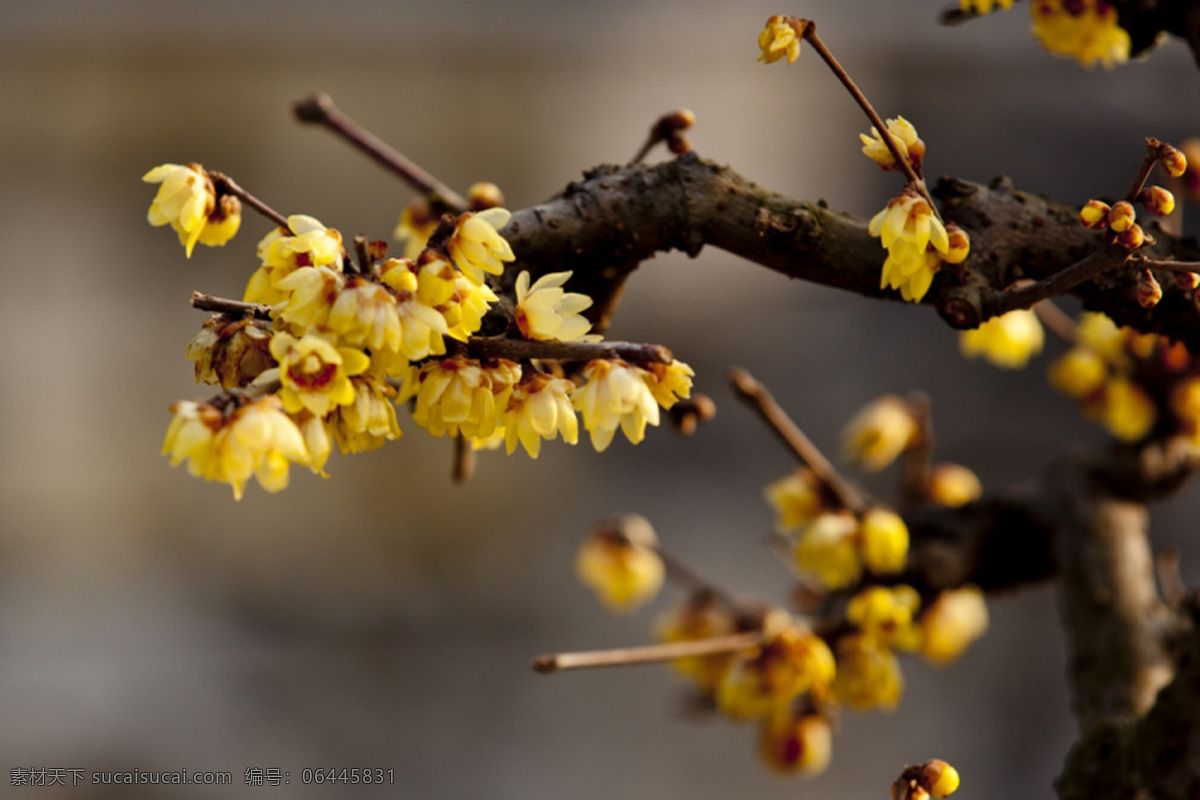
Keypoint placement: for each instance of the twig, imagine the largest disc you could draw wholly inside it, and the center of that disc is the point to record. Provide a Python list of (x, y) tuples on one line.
[(366, 267), (226, 184), (1168, 266), (464, 460), (1056, 320), (523, 349), (319, 108), (1101, 260), (222, 305), (757, 397), (1152, 150), (918, 456), (649, 654)]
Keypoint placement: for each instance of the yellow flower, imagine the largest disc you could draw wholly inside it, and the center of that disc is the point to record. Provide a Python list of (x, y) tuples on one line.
[(1078, 373), (879, 433), (887, 615), (917, 242), (546, 313), (797, 499), (779, 39), (365, 315), (790, 663), (317, 438), (908, 217), (614, 394), (884, 541), (953, 485), (621, 565), (1185, 402), (1128, 412), (702, 617), (984, 6), (1085, 30), (306, 243), (868, 674), (904, 136), (1007, 341), (539, 408), (315, 374), (256, 439), (941, 779), (370, 420), (309, 294), (951, 623), (417, 221), (465, 310), (477, 247), (827, 548), (1100, 333), (669, 383), (188, 202), (1094, 215), (459, 395), (796, 743)]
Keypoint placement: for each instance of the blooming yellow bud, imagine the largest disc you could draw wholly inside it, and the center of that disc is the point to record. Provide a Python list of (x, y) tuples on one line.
[(539, 408), (1100, 333), (779, 38), (1173, 161), (951, 623), (417, 221), (1128, 412), (958, 245), (620, 562), (370, 420), (546, 313), (792, 662), (827, 549), (669, 383), (879, 433), (1149, 293), (614, 395), (868, 674), (483, 195), (939, 778), (904, 137), (187, 200), (916, 240), (1078, 373), (1007, 341), (476, 245), (1132, 238), (796, 744), (1187, 281), (1157, 200), (1122, 216), (314, 373), (953, 485), (1094, 215), (884, 541), (886, 614), (796, 498)]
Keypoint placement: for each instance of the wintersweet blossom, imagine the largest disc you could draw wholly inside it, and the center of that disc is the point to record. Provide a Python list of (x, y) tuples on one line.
[(887, 614), (879, 433), (370, 420), (547, 313), (539, 408), (1128, 412), (314, 373), (458, 395), (779, 39), (623, 570), (309, 294), (1086, 30), (917, 242), (790, 663), (883, 541), (614, 395), (417, 221), (953, 485), (984, 6), (701, 617), (797, 499), (188, 202), (477, 247), (951, 623), (669, 383), (868, 674), (255, 440), (793, 743), (229, 352), (305, 243), (903, 135), (827, 548), (1008, 341)]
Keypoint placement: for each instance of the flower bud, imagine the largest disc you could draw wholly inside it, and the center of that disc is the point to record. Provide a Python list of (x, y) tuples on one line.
[(1121, 217), (959, 243), (1094, 215), (1132, 238), (1148, 290), (1157, 200), (1173, 161), (1187, 281), (941, 779), (953, 485), (484, 195)]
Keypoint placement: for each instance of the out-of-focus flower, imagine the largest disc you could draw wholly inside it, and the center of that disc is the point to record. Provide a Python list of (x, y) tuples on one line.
[(879, 433), (797, 499), (951, 623), (1007, 341), (539, 408), (868, 674), (619, 560), (940, 778), (188, 202), (668, 383), (1128, 412), (701, 617), (614, 395), (417, 221), (314, 373), (828, 549), (887, 614), (883, 538), (1085, 30), (477, 247), (790, 663), (953, 485), (905, 137), (483, 195), (256, 440), (546, 313), (779, 39), (793, 743), (1100, 333)]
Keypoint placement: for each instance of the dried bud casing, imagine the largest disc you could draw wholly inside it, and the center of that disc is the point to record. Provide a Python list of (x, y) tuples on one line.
[(1157, 200), (1094, 215), (1132, 238), (1148, 290), (1122, 217)]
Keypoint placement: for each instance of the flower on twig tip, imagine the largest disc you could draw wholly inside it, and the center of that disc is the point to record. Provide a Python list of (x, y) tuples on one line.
[(792, 743), (904, 136), (477, 247), (879, 433), (621, 566), (539, 408), (546, 313), (780, 38), (1175, 160), (256, 440), (1157, 200), (187, 200), (313, 372), (1007, 341), (614, 394), (1086, 30)]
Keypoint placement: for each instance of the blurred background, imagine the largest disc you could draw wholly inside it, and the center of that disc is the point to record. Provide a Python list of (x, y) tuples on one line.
[(384, 617)]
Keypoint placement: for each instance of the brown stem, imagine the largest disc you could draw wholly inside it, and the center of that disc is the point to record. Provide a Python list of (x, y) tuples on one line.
[(1108, 257), (1152, 147), (649, 654), (366, 267), (918, 456), (1056, 320), (222, 305), (524, 350), (464, 460), (755, 395), (319, 108), (1168, 266), (226, 184)]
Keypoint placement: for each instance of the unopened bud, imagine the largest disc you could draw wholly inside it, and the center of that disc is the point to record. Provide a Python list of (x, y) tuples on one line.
[(1148, 290), (1094, 215), (1132, 238), (1191, 178), (1173, 161), (960, 244), (686, 415), (483, 195), (678, 143), (940, 778), (1122, 217), (1157, 200), (1187, 280)]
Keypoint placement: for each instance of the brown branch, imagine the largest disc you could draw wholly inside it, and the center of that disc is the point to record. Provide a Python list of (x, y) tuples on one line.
[(649, 654), (222, 305), (524, 349), (918, 456), (227, 185)]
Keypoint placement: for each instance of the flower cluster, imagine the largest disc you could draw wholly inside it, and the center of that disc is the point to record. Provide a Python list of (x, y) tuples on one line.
[(1086, 30), (188, 201), (1133, 384), (1008, 341), (917, 242)]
